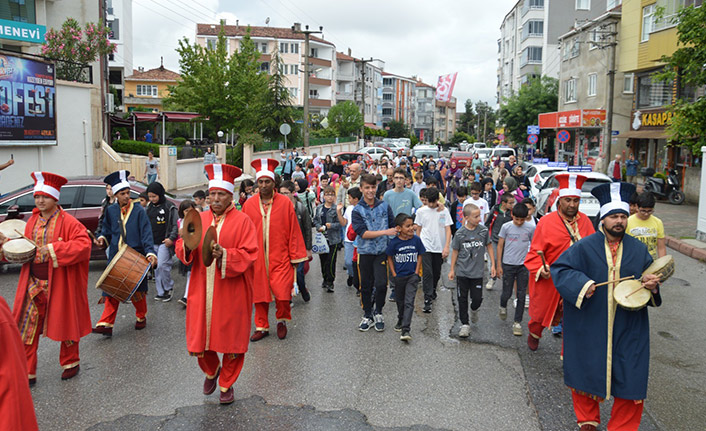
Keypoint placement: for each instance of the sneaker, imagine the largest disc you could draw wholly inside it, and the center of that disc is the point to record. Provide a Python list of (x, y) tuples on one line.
[(182, 301), (557, 330), (427, 306), (167, 296), (365, 324), (398, 325), (379, 323), (349, 282), (474, 316), (503, 313), (159, 298), (329, 288), (392, 295), (405, 336), (517, 329), (465, 331), (306, 296), (489, 284)]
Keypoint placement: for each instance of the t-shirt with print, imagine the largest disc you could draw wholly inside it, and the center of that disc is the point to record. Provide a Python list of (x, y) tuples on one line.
[(471, 245), (405, 254), (433, 225), (517, 242), (647, 231)]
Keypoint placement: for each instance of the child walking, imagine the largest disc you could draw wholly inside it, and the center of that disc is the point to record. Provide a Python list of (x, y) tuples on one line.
[(467, 264), (403, 254), (513, 244), (326, 221), (434, 228)]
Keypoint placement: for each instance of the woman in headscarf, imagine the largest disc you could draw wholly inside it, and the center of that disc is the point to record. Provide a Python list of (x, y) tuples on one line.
[(305, 195), (453, 177), (164, 217), (510, 186)]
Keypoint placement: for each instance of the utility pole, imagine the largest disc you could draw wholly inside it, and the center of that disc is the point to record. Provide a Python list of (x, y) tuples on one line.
[(363, 64), (608, 133), (297, 28), (485, 125)]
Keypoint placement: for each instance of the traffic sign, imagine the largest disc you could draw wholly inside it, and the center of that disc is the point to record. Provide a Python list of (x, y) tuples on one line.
[(615, 132), (563, 136), (285, 128), (172, 151), (532, 139), (533, 130)]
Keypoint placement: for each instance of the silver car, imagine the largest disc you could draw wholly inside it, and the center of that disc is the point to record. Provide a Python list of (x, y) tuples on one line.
[(589, 204)]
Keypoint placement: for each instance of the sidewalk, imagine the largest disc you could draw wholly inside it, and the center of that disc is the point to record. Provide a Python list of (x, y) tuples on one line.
[(680, 228)]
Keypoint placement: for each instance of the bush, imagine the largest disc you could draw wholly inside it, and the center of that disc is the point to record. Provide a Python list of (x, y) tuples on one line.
[(135, 147), (179, 141)]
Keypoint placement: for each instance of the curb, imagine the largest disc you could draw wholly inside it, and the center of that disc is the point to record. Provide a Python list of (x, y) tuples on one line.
[(684, 248)]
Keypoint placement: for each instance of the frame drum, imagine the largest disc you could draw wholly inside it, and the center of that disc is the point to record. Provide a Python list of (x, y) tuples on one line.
[(19, 251), (664, 266), (631, 295)]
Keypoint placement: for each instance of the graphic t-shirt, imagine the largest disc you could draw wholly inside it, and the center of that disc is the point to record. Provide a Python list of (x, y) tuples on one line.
[(470, 245), (647, 231), (405, 254)]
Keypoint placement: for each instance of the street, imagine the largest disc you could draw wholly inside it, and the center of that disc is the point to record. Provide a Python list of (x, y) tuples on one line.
[(328, 375)]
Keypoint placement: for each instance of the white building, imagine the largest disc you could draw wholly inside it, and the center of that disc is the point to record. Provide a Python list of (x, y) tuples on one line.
[(119, 20), (349, 77)]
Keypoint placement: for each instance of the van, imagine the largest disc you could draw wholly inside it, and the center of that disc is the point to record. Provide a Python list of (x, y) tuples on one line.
[(503, 152), (426, 150)]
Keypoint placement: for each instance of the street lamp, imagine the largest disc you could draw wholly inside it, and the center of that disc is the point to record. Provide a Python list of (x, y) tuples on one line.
[(220, 135)]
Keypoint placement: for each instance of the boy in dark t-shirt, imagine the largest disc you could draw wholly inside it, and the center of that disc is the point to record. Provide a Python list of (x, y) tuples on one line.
[(405, 263)]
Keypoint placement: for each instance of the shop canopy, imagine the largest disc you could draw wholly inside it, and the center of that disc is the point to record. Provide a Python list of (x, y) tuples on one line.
[(572, 119), (163, 117)]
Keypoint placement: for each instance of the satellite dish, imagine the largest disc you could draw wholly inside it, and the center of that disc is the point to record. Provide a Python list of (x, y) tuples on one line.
[(267, 21)]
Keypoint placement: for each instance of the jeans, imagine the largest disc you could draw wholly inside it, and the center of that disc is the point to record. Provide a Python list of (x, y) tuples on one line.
[(301, 279), (373, 277), (512, 273), (348, 248), (151, 178), (431, 272), (328, 264), (405, 291), (163, 272), (464, 287)]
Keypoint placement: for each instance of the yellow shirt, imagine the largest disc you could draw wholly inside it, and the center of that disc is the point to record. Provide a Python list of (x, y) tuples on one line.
[(648, 231)]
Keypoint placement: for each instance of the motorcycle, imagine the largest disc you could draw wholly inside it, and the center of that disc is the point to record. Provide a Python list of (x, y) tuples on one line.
[(666, 189)]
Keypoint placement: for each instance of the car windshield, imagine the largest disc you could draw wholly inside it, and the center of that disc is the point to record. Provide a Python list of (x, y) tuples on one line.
[(484, 153), (591, 183), (504, 153)]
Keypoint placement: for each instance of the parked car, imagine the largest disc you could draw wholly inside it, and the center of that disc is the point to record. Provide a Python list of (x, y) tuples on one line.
[(538, 175), (461, 158), (80, 196), (483, 153), (546, 199), (426, 150), (478, 145), (503, 152), (351, 156), (376, 153)]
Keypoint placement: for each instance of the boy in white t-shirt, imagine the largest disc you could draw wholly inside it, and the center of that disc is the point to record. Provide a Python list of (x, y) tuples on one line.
[(354, 196), (475, 199), (432, 227)]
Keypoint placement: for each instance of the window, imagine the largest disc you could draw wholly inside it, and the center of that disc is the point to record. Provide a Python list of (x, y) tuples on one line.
[(570, 90), (583, 4), (314, 52), (263, 47), (533, 28), (293, 91), (68, 195), (385, 111), (532, 5), (147, 90), (93, 196), (592, 83), (594, 37), (575, 49), (387, 97), (648, 21), (294, 69), (114, 29), (314, 93), (18, 10), (294, 48), (265, 66), (653, 94), (531, 55), (613, 4), (628, 80), (284, 69), (387, 82), (283, 48), (211, 44)]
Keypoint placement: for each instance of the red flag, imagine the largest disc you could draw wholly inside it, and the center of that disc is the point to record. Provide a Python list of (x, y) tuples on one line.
[(445, 87)]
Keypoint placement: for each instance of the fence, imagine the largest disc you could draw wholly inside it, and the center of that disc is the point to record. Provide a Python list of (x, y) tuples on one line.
[(313, 142)]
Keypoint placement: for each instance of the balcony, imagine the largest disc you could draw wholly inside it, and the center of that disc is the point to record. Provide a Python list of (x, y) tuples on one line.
[(323, 103), (319, 81), (319, 62), (344, 95), (264, 57)]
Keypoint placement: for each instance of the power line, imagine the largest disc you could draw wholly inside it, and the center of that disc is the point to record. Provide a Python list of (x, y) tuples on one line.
[(188, 8), (164, 16), (173, 11)]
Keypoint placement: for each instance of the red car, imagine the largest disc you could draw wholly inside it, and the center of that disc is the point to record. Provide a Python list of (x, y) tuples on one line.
[(350, 157), (461, 158), (80, 197)]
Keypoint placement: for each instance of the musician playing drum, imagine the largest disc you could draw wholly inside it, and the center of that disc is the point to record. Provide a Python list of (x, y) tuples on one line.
[(606, 347), (51, 293), (125, 223)]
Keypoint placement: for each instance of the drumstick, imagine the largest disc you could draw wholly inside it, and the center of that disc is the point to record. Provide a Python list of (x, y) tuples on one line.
[(93, 237), (640, 288), (23, 236), (544, 262), (615, 281)]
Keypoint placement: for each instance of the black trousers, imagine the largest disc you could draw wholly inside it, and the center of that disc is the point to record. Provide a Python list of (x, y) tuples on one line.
[(512, 273), (328, 264), (405, 291), (373, 281), (431, 272), (464, 287)]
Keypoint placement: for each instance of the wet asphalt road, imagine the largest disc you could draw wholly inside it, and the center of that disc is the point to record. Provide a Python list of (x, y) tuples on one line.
[(327, 375)]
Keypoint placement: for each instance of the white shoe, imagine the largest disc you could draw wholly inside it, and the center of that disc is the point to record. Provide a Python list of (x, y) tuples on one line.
[(474, 316), (489, 284), (517, 329), (503, 313), (465, 331)]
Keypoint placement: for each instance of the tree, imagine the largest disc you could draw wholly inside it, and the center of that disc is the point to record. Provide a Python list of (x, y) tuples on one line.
[(345, 118), (688, 65), (486, 118), (460, 136), (523, 108), (74, 48), (467, 122), (277, 102), (397, 129)]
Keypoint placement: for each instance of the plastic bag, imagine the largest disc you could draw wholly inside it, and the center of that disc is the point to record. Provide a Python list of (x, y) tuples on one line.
[(319, 245)]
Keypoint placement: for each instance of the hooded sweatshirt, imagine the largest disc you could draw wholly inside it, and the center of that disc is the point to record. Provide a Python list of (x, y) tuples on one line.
[(163, 215)]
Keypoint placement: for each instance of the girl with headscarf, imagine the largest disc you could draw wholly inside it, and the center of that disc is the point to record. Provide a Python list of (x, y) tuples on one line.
[(510, 186), (163, 216)]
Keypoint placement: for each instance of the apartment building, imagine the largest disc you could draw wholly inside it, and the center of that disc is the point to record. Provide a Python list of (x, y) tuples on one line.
[(398, 99), (290, 46), (349, 83), (424, 114), (120, 63), (528, 45), (444, 120)]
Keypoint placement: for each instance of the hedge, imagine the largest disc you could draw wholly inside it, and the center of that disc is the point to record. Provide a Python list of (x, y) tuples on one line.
[(135, 147), (313, 142)]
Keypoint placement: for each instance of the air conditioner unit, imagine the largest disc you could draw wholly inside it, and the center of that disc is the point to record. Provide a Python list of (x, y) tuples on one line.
[(109, 103)]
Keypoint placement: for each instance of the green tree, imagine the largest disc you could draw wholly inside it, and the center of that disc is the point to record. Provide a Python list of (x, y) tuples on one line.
[(460, 136), (467, 122), (688, 65), (345, 118), (397, 129), (523, 108), (277, 101), (486, 118)]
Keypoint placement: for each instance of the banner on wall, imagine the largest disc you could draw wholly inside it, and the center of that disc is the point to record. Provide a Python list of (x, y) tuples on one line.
[(445, 87), (27, 102)]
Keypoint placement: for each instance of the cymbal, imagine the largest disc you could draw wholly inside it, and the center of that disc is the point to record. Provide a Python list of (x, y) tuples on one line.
[(192, 229), (209, 239)]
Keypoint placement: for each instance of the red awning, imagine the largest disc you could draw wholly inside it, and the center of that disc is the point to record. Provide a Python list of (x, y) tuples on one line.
[(146, 116), (182, 117), (372, 126)]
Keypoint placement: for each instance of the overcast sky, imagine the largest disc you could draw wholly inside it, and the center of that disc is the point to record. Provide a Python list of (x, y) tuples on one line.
[(421, 38)]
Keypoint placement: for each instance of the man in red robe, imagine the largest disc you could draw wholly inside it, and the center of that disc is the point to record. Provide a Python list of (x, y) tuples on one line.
[(555, 233), (16, 407), (51, 293), (220, 295), (281, 249)]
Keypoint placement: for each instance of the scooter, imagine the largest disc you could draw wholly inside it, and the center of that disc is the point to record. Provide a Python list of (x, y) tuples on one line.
[(669, 189)]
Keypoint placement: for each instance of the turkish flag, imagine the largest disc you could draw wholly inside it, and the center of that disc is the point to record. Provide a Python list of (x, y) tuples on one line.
[(445, 87)]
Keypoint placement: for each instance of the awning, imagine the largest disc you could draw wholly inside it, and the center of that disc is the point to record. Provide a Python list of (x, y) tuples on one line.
[(372, 126), (182, 117), (645, 134), (146, 116)]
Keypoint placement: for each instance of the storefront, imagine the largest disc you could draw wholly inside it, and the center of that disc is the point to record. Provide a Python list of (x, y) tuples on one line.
[(647, 139), (577, 134)]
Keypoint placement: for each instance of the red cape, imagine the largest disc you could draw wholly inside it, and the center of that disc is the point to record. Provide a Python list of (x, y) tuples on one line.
[(553, 239), (220, 296), (68, 316), (280, 235), (16, 407)]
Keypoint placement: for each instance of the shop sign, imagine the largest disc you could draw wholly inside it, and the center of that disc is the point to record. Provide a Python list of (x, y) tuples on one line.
[(569, 118), (593, 117), (659, 118)]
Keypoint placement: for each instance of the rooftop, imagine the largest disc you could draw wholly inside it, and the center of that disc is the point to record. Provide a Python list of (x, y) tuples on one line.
[(157, 74), (255, 32)]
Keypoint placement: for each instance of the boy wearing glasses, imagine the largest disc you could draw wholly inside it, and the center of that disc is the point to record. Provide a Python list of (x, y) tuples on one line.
[(646, 227)]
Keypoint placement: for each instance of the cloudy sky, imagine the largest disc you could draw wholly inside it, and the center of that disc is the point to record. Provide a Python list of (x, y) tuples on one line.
[(421, 38)]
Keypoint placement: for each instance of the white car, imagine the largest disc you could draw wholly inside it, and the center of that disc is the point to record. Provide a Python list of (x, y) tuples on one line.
[(376, 153), (537, 174), (483, 153), (589, 204)]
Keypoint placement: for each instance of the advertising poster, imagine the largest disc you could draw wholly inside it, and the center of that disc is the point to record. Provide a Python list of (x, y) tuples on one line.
[(27, 102)]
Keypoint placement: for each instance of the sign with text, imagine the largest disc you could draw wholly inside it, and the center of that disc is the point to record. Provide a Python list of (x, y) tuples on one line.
[(586, 168), (593, 117), (27, 102), (22, 31), (533, 130), (569, 118)]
